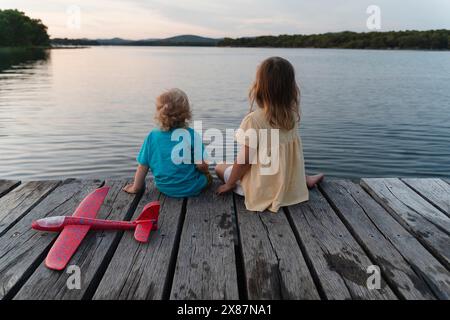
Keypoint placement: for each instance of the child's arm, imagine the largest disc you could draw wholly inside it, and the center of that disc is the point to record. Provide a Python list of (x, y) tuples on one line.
[(203, 166), (139, 180), (240, 168)]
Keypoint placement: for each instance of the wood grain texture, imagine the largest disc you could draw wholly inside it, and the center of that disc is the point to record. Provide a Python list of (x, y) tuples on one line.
[(435, 191), (339, 262), (23, 249), (415, 218), (18, 202), (142, 271), (274, 265), (206, 266), (7, 185), (400, 198), (91, 256), (408, 266)]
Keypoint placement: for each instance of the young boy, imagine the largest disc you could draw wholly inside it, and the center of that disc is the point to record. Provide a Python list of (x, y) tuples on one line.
[(159, 152)]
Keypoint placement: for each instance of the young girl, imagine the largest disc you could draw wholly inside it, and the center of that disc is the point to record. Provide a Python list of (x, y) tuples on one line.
[(276, 94), (171, 177)]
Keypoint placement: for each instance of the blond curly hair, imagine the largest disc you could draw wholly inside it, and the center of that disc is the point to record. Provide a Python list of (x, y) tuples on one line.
[(173, 110)]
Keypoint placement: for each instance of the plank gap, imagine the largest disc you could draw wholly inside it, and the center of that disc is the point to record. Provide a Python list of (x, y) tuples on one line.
[(364, 247), (173, 258), (336, 256), (31, 207), (432, 221), (308, 260), (11, 185), (417, 232), (97, 278), (415, 272), (28, 273), (411, 185), (28, 249), (239, 256)]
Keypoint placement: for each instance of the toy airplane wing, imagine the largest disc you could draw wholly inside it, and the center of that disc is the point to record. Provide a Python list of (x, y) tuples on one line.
[(70, 238)]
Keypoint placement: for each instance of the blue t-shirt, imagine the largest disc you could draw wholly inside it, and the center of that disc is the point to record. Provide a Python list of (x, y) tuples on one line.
[(172, 162)]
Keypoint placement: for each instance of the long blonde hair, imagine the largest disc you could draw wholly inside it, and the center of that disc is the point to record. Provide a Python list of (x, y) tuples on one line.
[(276, 91)]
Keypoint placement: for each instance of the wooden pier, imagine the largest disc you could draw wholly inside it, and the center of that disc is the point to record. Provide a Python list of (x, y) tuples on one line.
[(211, 247)]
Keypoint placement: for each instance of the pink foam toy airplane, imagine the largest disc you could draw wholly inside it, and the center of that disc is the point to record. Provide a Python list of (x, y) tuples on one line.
[(75, 228)]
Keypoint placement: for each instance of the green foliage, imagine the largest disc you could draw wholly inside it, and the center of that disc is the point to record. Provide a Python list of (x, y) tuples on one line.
[(18, 30), (426, 40)]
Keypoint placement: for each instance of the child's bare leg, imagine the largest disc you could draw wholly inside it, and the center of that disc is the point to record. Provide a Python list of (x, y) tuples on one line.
[(313, 181), (220, 170)]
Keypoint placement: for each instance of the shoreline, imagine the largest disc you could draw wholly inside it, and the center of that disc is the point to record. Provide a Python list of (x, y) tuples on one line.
[(57, 47), (255, 47)]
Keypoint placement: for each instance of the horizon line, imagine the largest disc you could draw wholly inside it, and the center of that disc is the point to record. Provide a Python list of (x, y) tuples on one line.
[(264, 35)]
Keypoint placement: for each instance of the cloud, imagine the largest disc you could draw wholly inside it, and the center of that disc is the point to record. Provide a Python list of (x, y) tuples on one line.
[(137, 19)]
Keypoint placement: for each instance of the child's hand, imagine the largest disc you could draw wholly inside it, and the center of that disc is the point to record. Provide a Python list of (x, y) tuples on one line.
[(225, 188), (130, 188), (203, 167)]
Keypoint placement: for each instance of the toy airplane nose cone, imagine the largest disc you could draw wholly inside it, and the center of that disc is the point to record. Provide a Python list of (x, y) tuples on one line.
[(46, 224), (35, 225)]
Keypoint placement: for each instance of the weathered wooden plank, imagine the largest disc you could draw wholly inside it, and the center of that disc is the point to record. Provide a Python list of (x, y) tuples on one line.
[(206, 266), (401, 198), (274, 265), (142, 271), (388, 192), (339, 262), (7, 185), (21, 200), (404, 261), (92, 255), (435, 191), (23, 249)]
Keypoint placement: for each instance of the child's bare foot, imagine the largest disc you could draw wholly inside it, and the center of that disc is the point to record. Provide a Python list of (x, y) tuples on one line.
[(313, 181)]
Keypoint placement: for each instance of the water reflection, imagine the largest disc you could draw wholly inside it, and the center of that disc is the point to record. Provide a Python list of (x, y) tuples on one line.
[(12, 57)]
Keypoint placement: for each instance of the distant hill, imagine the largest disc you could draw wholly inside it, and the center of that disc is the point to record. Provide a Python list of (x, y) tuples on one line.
[(191, 38), (183, 40), (113, 42)]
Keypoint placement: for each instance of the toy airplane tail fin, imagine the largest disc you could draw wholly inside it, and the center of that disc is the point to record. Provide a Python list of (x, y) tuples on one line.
[(147, 221)]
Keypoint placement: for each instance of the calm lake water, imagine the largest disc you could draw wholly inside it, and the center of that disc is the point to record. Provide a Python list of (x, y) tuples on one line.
[(85, 112)]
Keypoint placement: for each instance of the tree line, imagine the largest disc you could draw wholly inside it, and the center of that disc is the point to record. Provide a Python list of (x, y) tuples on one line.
[(73, 42), (426, 40), (19, 30)]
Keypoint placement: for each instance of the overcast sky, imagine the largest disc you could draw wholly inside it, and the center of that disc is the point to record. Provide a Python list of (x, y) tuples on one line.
[(142, 19)]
